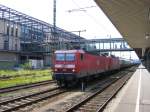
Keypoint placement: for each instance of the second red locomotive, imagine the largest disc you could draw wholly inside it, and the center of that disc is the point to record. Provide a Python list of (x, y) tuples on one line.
[(74, 65)]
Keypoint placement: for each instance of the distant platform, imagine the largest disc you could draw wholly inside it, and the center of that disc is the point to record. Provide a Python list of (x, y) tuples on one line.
[(135, 95)]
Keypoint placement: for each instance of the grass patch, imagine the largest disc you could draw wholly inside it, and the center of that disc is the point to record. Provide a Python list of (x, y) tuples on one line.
[(23, 72), (25, 77)]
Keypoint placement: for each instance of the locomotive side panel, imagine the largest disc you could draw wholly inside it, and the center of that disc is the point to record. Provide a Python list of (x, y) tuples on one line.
[(81, 65)]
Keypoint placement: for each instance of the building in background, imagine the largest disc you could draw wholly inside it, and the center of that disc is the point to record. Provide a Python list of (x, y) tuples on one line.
[(24, 38)]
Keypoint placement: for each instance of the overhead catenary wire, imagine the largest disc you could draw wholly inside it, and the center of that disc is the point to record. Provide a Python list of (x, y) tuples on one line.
[(81, 9), (92, 18)]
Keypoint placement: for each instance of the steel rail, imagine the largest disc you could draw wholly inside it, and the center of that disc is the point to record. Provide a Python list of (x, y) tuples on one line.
[(24, 86), (26, 96), (6, 106)]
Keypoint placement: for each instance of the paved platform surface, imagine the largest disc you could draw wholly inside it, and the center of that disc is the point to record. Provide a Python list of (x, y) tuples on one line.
[(134, 96)]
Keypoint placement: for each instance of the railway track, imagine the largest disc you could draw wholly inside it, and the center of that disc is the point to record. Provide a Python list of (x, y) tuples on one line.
[(18, 87), (17, 76), (99, 98), (23, 101)]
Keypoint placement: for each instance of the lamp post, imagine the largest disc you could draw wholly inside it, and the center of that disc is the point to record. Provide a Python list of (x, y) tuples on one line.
[(54, 14), (79, 31)]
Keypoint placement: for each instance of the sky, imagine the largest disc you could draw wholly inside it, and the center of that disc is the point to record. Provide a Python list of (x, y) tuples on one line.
[(93, 20)]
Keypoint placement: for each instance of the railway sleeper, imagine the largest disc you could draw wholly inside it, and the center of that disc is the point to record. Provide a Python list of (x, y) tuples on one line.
[(20, 103), (10, 105), (1, 110), (96, 101), (91, 106), (4, 107), (103, 97), (38, 97), (106, 94), (13, 105), (42, 96), (98, 98), (29, 99), (94, 104), (81, 109), (33, 98), (25, 100), (91, 102)]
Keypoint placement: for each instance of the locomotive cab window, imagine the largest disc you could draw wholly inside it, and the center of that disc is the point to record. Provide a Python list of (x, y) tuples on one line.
[(60, 57), (70, 57), (65, 57)]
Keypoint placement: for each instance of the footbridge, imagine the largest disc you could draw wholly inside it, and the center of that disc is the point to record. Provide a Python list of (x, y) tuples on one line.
[(103, 45)]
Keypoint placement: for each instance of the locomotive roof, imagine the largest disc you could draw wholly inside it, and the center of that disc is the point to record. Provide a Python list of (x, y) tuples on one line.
[(69, 51)]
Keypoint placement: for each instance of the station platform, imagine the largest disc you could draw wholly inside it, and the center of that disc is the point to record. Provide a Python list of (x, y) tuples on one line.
[(134, 96)]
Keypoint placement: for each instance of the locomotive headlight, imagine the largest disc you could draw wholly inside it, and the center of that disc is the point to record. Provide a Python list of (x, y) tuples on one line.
[(55, 69), (73, 70)]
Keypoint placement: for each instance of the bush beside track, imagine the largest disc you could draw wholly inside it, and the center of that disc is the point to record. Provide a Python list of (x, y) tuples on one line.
[(11, 78)]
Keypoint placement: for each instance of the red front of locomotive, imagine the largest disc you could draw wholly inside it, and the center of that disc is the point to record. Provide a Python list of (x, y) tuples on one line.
[(65, 65)]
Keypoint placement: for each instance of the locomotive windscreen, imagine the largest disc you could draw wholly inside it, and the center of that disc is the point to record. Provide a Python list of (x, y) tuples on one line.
[(60, 57), (65, 56), (70, 57)]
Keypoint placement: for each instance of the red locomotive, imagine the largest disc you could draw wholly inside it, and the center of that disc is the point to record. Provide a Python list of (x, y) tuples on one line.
[(74, 65)]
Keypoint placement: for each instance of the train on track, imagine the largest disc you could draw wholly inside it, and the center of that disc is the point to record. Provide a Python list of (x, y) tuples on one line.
[(72, 66)]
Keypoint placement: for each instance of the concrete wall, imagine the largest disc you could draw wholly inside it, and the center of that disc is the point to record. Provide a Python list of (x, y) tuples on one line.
[(8, 60), (2, 24), (1, 42), (48, 60), (1, 36)]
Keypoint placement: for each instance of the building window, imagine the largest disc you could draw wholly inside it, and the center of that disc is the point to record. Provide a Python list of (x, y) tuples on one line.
[(7, 29), (16, 44), (16, 33), (5, 45), (16, 47), (12, 30)]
